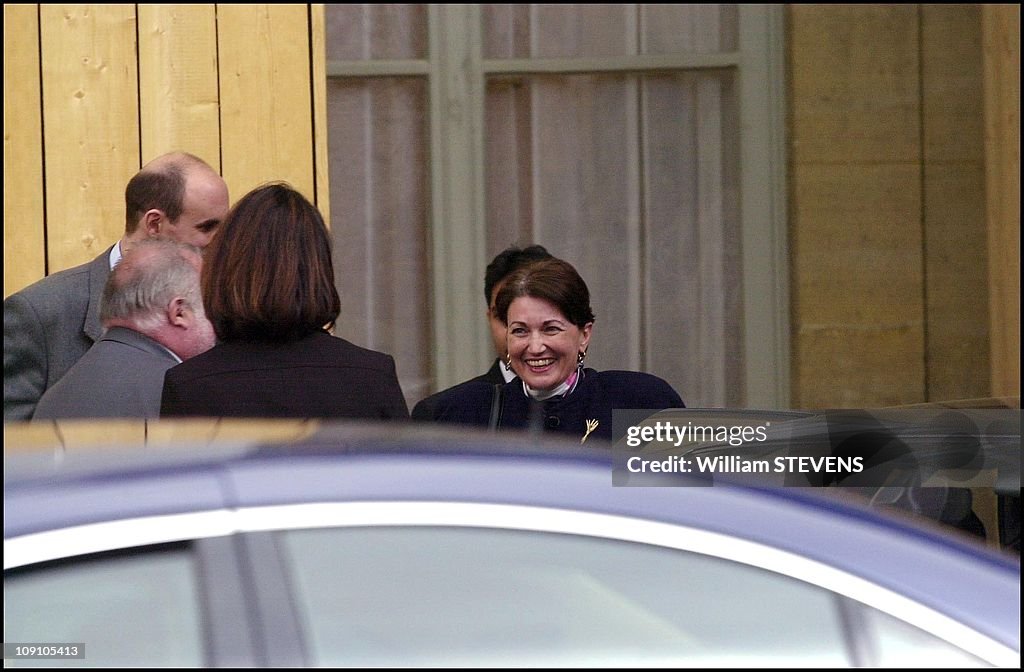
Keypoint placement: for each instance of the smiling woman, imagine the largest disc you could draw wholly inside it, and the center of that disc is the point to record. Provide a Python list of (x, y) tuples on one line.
[(549, 321), (543, 348), (546, 309)]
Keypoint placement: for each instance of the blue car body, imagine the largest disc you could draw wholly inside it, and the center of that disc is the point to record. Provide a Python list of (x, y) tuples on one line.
[(374, 476)]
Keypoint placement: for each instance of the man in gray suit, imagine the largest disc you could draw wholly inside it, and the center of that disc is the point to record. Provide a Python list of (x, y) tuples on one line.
[(153, 315), (49, 325)]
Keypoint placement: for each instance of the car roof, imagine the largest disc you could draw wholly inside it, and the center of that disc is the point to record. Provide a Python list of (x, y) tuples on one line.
[(423, 461)]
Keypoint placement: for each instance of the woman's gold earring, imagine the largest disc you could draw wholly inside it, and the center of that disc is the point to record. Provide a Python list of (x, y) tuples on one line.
[(508, 361), (580, 356)]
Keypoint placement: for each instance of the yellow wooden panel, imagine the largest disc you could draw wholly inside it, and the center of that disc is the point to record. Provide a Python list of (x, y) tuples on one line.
[(1001, 40), (318, 36), (857, 236), (90, 116), (951, 83), (23, 436), (266, 108), (163, 433), (24, 245), (957, 291), (857, 285), (854, 82), (91, 434), (59, 435), (184, 431), (954, 202), (267, 430), (850, 367), (178, 96)]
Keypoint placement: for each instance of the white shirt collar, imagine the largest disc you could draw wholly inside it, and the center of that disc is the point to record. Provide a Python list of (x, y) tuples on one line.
[(508, 374), (173, 354), (115, 254), (564, 389)]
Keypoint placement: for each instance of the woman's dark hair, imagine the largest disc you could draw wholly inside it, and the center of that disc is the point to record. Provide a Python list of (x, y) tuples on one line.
[(267, 274), (553, 280)]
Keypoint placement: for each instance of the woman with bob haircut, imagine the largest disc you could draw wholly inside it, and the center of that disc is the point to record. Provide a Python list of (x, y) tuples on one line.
[(268, 288), (545, 307)]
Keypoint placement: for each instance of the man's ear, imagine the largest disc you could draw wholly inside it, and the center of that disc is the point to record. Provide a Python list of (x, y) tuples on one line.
[(154, 220), (179, 313)]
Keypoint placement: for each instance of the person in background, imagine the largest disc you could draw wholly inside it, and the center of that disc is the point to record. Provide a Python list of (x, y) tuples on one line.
[(549, 324), (153, 319), (268, 288), (50, 324), (507, 261)]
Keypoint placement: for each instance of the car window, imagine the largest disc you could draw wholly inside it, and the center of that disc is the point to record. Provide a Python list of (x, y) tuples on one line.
[(900, 644), (451, 596), (133, 608)]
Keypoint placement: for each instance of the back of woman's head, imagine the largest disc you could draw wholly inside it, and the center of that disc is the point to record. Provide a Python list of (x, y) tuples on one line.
[(555, 281), (267, 274)]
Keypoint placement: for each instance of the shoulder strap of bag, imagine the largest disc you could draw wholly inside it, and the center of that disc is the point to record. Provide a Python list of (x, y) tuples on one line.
[(496, 404)]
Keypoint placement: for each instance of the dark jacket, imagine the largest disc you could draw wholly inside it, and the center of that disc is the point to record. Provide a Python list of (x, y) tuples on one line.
[(319, 376), (595, 396), (426, 409)]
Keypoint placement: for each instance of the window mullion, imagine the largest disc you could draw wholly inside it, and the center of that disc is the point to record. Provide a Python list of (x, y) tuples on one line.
[(458, 230), (763, 207)]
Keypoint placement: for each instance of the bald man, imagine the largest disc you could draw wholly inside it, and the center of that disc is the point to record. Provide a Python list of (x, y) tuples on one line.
[(49, 325)]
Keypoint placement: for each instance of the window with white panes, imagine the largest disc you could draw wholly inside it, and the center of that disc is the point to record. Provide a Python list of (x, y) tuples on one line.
[(641, 143)]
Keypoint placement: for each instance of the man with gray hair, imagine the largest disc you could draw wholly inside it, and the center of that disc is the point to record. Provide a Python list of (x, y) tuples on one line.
[(153, 315)]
